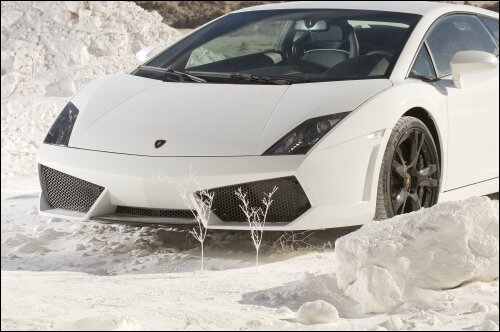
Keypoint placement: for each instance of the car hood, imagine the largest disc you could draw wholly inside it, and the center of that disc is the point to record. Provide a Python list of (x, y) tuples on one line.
[(128, 114)]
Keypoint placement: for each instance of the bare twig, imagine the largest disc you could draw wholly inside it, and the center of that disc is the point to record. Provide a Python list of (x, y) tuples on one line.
[(294, 241), (256, 216), (200, 204)]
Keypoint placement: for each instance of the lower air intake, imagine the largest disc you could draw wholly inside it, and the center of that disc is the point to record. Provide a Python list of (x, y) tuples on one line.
[(289, 202), (67, 192), (159, 213)]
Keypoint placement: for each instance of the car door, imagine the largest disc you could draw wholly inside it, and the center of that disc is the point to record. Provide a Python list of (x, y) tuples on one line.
[(473, 129)]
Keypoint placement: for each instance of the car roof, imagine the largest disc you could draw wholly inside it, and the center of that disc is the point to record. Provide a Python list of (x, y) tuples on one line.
[(410, 7)]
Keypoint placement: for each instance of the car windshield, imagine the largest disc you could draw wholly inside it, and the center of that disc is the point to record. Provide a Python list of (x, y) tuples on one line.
[(291, 46)]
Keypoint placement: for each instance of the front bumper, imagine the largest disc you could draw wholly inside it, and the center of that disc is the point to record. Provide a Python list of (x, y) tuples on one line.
[(338, 183)]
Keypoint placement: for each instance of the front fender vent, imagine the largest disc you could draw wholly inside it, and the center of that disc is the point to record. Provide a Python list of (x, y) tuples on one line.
[(67, 192)]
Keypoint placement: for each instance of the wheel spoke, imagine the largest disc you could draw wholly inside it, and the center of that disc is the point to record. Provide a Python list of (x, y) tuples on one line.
[(425, 177), (428, 171), (423, 199), (400, 169), (415, 201), (400, 155), (404, 205), (416, 147), (400, 200), (428, 182)]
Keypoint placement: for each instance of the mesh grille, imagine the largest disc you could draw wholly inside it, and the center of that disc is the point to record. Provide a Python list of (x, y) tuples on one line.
[(67, 192), (135, 211), (289, 202)]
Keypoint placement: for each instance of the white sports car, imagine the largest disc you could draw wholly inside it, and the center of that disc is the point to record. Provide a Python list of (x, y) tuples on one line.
[(354, 110)]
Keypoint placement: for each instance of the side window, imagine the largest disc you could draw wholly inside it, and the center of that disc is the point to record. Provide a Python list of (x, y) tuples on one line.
[(458, 33), (492, 25), (423, 67)]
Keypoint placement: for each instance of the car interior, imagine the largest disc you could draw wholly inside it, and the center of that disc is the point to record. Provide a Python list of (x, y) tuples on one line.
[(325, 48)]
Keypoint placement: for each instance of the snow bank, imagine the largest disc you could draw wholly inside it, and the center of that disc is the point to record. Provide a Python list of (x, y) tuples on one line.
[(417, 260), (438, 248), (49, 50)]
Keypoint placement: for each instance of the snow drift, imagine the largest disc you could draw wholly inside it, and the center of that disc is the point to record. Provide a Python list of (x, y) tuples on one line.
[(49, 50), (439, 248), (411, 260)]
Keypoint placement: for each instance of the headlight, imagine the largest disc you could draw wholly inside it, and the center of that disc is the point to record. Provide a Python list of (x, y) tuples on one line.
[(305, 136), (60, 132)]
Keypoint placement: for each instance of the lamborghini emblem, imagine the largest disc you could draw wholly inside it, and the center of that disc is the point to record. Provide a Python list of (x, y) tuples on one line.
[(159, 143)]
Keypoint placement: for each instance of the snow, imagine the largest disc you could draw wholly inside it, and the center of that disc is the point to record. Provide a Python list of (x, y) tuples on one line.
[(375, 290), (317, 312), (456, 244), (75, 275), (436, 269)]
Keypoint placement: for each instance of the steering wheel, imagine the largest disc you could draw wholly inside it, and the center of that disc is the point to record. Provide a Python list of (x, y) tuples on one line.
[(385, 54)]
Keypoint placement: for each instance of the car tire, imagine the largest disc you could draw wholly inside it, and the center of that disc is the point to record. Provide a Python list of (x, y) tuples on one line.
[(411, 172)]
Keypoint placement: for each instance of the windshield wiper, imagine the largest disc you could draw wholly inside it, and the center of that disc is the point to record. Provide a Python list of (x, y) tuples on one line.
[(240, 77), (235, 77), (181, 76), (277, 79)]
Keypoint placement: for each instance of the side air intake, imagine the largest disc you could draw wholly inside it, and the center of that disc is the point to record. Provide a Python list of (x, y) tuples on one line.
[(290, 201), (67, 192)]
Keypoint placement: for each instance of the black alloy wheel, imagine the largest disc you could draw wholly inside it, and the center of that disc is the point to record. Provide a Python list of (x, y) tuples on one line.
[(410, 175)]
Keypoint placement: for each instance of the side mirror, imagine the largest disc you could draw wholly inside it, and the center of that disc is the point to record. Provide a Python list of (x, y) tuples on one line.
[(471, 62), (147, 53)]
